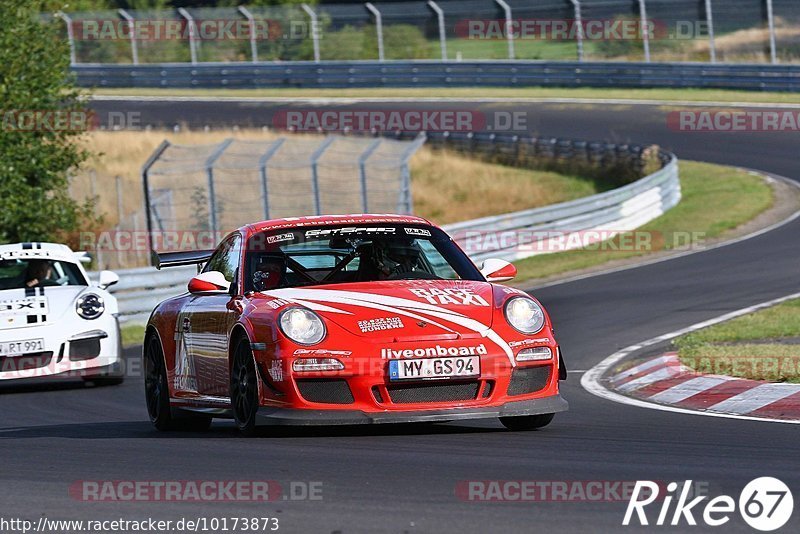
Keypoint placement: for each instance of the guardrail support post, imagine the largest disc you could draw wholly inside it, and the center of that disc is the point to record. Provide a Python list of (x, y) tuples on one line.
[(212, 197), (70, 36), (146, 184), (378, 28), (132, 30), (645, 24), (315, 176), (579, 28), (362, 172), (406, 200), (262, 169), (442, 33), (192, 34), (509, 27), (773, 52), (314, 29), (251, 20), (712, 48)]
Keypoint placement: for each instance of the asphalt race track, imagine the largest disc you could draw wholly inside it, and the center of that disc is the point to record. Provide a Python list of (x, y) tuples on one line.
[(403, 478)]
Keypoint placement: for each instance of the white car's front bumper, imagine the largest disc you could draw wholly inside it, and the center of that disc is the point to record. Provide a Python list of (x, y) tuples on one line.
[(79, 349)]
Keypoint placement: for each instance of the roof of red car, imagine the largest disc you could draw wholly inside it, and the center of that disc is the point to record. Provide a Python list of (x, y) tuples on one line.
[(324, 220)]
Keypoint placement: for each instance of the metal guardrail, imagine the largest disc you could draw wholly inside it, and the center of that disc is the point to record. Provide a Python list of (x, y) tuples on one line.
[(512, 236), (523, 234), (339, 74)]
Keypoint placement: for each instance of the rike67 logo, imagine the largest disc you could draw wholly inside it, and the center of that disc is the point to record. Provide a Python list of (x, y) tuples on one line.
[(765, 504)]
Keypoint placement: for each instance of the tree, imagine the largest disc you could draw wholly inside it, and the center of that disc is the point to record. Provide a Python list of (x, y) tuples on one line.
[(42, 121)]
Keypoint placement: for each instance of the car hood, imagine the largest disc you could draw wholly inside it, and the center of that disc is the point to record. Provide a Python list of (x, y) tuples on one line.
[(20, 308), (401, 310)]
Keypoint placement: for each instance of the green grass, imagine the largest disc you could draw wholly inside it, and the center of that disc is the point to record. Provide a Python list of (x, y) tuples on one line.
[(132, 335), (715, 199), (454, 93), (746, 347)]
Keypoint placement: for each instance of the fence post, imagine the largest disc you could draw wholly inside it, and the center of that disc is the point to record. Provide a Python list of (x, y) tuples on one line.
[(132, 31), (252, 22), (509, 27), (315, 176), (773, 52), (712, 48), (314, 29), (645, 29), (212, 196), (362, 172), (192, 34), (145, 183), (70, 36), (407, 201), (579, 28), (262, 169), (378, 28), (442, 34)]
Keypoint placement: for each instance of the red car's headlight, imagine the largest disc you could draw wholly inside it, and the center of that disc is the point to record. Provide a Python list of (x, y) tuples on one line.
[(302, 326), (524, 315)]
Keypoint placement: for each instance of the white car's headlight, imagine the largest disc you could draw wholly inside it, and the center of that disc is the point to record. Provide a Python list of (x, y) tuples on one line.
[(302, 326), (90, 306), (524, 315)]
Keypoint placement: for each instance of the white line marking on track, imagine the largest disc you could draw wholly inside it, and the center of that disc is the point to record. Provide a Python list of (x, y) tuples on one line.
[(688, 389), (661, 360), (753, 399), (591, 380), (650, 378)]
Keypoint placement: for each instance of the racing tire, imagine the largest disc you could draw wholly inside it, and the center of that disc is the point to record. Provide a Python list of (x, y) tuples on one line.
[(527, 422), (156, 392), (244, 388)]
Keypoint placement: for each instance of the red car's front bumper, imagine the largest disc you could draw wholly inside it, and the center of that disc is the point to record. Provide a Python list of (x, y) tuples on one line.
[(364, 394), (289, 416)]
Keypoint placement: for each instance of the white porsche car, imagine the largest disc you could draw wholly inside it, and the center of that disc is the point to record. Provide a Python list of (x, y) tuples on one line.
[(53, 321)]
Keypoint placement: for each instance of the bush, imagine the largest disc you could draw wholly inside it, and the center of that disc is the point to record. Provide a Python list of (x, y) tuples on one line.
[(34, 162)]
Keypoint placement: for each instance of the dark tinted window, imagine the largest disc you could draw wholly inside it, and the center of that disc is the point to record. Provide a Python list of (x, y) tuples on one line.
[(355, 253), (36, 272), (226, 258)]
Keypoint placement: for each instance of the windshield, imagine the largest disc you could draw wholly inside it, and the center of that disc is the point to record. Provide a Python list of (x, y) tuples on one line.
[(342, 254), (39, 272)]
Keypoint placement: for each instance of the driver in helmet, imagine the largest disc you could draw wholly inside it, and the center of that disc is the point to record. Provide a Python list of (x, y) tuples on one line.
[(269, 272), (395, 257)]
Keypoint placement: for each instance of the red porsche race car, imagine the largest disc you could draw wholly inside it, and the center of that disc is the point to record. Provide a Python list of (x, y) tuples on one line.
[(346, 320)]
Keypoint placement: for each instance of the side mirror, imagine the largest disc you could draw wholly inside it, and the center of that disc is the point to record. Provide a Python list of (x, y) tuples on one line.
[(210, 283), (107, 278), (495, 270)]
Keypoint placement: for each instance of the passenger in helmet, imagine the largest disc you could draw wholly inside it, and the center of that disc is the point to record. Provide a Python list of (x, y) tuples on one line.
[(269, 272), (395, 257)]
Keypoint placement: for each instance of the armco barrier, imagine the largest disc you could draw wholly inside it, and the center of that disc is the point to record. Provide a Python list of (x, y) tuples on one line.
[(338, 74), (621, 209)]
